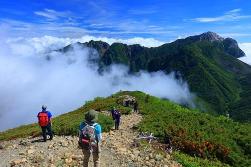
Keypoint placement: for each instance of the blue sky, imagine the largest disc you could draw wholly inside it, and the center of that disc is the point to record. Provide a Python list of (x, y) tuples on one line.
[(164, 20)]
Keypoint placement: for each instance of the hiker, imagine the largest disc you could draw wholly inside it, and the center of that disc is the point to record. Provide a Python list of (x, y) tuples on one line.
[(112, 113), (90, 138), (135, 106), (45, 122), (116, 118)]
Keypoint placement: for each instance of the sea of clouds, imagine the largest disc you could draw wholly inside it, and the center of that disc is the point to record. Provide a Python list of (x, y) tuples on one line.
[(63, 83), (28, 80)]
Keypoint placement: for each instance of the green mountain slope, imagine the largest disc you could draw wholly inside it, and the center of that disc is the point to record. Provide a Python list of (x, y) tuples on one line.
[(207, 62), (202, 139)]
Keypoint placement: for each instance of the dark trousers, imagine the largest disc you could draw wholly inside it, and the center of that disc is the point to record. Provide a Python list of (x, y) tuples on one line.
[(117, 122), (47, 130)]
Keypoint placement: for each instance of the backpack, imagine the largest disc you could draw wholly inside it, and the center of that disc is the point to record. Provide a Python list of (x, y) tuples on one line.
[(88, 136), (43, 119)]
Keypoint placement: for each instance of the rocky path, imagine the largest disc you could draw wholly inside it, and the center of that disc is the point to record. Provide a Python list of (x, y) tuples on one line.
[(117, 150)]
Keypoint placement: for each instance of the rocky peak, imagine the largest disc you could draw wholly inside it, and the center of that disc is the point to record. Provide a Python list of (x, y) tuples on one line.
[(232, 48), (100, 46), (230, 45), (210, 36)]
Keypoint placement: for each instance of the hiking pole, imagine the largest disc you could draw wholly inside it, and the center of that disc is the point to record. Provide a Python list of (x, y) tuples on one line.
[(147, 137)]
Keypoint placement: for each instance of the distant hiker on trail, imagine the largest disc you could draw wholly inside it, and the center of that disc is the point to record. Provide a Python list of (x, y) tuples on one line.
[(135, 107), (116, 117), (112, 113), (45, 121), (90, 138)]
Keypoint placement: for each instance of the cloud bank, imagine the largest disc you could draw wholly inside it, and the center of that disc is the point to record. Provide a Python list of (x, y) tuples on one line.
[(246, 47), (29, 80)]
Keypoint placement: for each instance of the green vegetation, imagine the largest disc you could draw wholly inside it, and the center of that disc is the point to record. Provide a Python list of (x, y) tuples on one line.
[(188, 161), (210, 67), (195, 133), (241, 109), (202, 139), (67, 124)]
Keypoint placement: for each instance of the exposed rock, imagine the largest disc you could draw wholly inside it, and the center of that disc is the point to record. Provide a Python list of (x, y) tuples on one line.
[(24, 143), (50, 146), (17, 162), (31, 151), (136, 152), (14, 146), (51, 159), (232, 48), (22, 153), (37, 158), (159, 157), (210, 36), (77, 157), (68, 160)]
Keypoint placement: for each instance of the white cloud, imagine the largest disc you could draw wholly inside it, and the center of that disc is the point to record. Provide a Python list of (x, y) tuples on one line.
[(46, 14), (147, 42), (28, 80), (47, 43), (232, 15), (52, 14), (246, 47)]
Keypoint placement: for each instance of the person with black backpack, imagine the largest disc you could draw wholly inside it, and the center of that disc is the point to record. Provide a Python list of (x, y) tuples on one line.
[(45, 121), (90, 136)]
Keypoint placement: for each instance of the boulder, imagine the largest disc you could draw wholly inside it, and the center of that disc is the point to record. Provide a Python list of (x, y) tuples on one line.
[(159, 157), (21, 153), (68, 160), (31, 151), (17, 162)]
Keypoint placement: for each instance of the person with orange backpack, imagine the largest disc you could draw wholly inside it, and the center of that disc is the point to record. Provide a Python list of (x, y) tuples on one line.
[(45, 122)]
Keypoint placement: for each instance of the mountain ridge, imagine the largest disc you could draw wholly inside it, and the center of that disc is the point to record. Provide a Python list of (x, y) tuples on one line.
[(206, 62)]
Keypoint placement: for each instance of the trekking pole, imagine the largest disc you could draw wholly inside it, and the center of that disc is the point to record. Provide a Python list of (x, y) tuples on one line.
[(146, 136)]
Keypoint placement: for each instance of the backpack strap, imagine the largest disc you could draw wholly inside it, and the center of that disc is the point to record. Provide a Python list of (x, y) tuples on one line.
[(83, 125), (94, 125)]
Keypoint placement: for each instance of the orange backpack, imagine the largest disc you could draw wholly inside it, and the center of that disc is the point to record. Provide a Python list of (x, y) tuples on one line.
[(43, 119)]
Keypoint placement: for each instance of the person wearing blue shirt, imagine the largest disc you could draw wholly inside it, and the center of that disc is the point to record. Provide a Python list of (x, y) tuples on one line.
[(45, 122), (94, 146)]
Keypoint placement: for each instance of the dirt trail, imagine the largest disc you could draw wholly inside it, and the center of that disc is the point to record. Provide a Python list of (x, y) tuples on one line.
[(117, 150)]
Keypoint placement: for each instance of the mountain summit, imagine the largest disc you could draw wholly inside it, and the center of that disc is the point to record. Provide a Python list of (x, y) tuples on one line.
[(209, 36), (230, 45)]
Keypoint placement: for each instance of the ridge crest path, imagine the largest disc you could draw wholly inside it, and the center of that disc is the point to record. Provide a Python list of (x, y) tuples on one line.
[(63, 151)]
